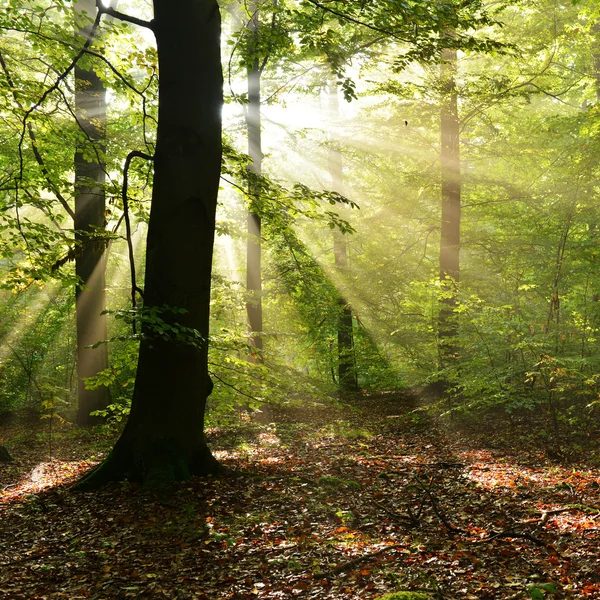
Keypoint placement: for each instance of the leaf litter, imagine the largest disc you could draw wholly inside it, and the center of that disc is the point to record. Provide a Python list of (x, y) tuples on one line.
[(326, 501)]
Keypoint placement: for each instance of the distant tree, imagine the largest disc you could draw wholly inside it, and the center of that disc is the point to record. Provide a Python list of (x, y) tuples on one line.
[(255, 68), (347, 378), (451, 209), (89, 222)]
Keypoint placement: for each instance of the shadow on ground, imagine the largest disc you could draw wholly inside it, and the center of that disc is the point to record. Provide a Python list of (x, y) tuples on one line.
[(330, 501)]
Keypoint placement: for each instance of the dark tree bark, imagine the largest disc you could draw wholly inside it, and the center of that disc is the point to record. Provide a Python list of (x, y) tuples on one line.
[(164, 438), (5, 455), (253, 248), (347, 378), (451, 209), (90, 261)]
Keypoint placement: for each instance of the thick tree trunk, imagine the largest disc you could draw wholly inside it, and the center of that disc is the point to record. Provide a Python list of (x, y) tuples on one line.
[(451, 209), (347, 379), (90, 263), (253, 249), (164, 439)]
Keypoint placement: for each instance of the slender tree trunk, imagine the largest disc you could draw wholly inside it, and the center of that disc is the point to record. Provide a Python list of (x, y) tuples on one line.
[(451, 209), (347, 378), (253, 249), (596, 29), (164, 436), (90, 261)]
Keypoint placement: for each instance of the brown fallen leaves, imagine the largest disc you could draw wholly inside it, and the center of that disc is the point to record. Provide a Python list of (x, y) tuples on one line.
[(348, 504)]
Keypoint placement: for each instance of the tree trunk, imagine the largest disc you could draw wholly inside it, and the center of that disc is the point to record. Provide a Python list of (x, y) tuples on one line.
[(90, 261), (253, 248), (451, 190), (164, 439), (596, 56), (347, 379), (5, 455)]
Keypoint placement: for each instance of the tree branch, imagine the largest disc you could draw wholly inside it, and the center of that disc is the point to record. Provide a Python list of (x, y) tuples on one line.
[(38, 157), (355, 561), (111, 12), (54, 87), (358, 22), (134, 288)]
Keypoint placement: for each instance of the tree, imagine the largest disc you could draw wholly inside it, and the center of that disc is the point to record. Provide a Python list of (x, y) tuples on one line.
[(163, 439), (347, 380), (89, 222), (451, 191), (253, 247)]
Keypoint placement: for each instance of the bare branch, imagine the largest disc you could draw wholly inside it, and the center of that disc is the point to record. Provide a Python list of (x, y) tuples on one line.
[(134, 287), (111, 12)]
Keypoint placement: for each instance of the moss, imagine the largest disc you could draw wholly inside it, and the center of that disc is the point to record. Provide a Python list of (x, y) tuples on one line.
[(337, 482), (406, 596)]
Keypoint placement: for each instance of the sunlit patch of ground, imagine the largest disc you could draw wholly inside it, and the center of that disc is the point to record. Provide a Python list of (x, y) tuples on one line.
[(269, 439), (575, 520), (315, 512), (44, 476)]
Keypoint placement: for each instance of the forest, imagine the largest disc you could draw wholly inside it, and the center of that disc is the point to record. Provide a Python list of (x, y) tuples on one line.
[(300, 299)]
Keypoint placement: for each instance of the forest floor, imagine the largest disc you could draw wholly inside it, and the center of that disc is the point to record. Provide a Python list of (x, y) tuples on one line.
[(326, 502)]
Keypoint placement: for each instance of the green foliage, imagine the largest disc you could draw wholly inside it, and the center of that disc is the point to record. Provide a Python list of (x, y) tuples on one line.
[(405, 596), (527, 307), (113, 414), (37, 362), (538, 591), (330, 480)]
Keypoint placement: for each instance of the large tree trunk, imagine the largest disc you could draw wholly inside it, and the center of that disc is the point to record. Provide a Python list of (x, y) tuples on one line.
[(90, 263), (164, 439), (253, 249), (347, 379), (451, 209)]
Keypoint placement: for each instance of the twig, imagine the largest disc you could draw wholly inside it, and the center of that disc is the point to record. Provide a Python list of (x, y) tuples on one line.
[(233, 387), (436, 509), (358, 22), (546, 514), (396, 515), (355, 561), (513, 534), (128, 84)]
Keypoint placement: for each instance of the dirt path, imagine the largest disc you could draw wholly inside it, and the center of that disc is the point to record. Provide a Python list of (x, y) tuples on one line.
[(332, 503)]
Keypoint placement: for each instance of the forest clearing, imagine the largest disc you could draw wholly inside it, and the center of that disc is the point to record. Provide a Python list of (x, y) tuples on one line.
[(324, 501)]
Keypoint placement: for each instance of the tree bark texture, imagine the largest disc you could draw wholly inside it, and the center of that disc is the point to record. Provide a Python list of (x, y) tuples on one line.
[(451, 207), (90, 261), (596, 58), (253, 249), (347, 377), (164, 439)]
